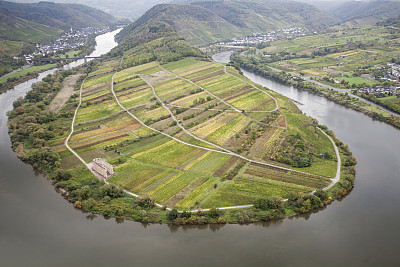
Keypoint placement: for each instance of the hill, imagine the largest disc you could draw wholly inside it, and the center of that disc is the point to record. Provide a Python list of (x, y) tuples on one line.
[(61, 16), (393, 22), (210, 21), (13, 28), (360, 13), (119, 8), (24, 25)]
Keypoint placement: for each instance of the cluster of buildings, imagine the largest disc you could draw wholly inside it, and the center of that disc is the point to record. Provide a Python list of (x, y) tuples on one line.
[(258, 38), (393, 74), (68, 41), (380, 91)]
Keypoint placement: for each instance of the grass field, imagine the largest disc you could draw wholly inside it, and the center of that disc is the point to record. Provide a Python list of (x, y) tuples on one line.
[(28, 70)]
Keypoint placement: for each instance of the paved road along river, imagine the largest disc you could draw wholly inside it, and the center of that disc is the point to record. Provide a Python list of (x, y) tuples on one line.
[(39, 228)]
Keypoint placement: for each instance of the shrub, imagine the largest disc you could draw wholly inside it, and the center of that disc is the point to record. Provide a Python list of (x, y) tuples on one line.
[(272, 202), (321, 194), (186, 214), (172, 215), (146, 202), (214, 213), (89, 203)]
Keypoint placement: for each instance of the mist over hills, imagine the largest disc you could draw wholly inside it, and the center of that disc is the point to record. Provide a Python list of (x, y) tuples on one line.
[(358, 13), (130, 9)]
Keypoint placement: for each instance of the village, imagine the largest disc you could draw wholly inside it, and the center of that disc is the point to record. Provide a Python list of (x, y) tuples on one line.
[(258, 38), (380, 91), (68, 41), (393, 75)]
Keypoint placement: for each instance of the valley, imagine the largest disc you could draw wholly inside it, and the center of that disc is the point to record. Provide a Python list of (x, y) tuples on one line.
[(204, 146)]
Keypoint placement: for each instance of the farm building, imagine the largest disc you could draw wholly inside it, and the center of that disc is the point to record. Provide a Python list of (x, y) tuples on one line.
[(102, 167)]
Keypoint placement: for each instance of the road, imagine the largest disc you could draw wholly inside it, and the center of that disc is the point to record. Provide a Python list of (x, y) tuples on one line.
[(14, 71), (350, 94)]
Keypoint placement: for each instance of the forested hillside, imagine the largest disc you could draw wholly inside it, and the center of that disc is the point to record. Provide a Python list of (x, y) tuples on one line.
[(61, 16), (394, 22), (360, 13), (119, 8), (261, 14), (210, 21), (148, 39), (16, 29), (22, 26)]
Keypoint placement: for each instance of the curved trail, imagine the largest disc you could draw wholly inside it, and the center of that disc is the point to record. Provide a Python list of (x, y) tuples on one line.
[(339, 162), (223, 110), (225, 151), (220, 99), (72, 126), (175, 119), (186, 131), (255, 87), (237, 110), (241, 112)]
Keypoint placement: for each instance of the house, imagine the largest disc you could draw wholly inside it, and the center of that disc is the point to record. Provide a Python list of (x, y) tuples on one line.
[(102, 167)]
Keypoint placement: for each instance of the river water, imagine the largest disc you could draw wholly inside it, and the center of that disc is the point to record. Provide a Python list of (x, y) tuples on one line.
[(39, 228)]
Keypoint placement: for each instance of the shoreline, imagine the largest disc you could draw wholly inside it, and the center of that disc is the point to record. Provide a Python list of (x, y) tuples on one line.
[(329, 94), (8, 85), (198, 217)]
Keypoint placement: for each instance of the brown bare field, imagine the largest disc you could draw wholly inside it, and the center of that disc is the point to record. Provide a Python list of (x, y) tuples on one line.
[(158, 77), (66, 92)]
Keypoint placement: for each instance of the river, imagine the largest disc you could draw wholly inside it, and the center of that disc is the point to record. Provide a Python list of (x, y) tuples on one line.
[(39, 228)]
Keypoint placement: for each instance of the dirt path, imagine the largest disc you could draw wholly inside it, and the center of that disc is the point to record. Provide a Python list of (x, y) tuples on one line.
[(66, 92), (334, 180)]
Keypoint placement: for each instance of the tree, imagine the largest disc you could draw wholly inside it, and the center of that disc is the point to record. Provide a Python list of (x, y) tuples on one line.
[(172, 215), (84, 193)]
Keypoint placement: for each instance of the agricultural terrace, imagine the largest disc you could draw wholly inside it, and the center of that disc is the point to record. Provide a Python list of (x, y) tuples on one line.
[(203, 136), (345, 58)]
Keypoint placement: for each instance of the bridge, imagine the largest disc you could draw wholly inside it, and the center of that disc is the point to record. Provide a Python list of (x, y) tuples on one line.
[(62, 59)]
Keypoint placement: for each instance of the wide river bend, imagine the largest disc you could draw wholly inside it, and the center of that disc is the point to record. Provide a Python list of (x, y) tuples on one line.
[(39, 228)]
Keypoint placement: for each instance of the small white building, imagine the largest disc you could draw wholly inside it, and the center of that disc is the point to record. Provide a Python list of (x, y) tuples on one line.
[(102, 167)]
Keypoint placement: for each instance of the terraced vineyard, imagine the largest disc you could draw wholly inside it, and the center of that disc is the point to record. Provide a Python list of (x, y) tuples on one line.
[(197, 135)]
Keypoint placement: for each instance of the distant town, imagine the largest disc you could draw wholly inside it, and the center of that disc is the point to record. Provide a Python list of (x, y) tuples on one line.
[(258, 38), (380, 91), (393, 75), (68, 41)]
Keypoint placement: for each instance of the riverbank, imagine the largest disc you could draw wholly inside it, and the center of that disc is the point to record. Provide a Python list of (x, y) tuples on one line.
[(334, 95), (10, 80), (109, 200)]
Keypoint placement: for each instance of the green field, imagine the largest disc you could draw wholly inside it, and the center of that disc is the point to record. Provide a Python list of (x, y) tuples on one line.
[(28, 70), (342, 55), (175, 172)]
